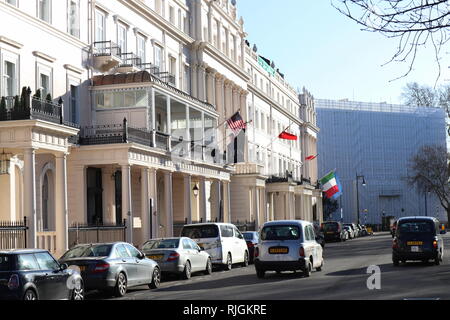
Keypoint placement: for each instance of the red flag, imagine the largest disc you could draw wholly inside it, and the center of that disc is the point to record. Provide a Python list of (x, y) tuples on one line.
[(311, 157), (287, 136)]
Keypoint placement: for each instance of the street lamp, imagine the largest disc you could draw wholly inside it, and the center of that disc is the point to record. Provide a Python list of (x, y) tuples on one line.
[(357, 192)]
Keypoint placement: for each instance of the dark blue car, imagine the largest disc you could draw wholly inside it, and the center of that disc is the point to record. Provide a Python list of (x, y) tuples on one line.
[(36, 275)]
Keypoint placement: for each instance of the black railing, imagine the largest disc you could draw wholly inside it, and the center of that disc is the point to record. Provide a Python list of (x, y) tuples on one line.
[(13, 234), (96, 233), (27, 107), (129, 59), (106, 48), (166, 77), (286, 177), (150, 67), (161, 140)]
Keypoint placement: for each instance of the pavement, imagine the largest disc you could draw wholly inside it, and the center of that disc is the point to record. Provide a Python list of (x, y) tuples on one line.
[(343, 277)]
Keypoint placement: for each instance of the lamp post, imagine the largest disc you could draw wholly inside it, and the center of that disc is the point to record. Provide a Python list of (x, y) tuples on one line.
[(357, 192)]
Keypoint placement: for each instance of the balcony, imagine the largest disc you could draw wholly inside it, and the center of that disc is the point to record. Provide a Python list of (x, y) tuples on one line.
[(130, 63), (166, 77), (123, 133), (28, 107), (106, 55), (249, 168)]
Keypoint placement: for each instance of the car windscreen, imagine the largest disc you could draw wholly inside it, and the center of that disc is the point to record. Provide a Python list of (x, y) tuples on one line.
[(161, 244), (200, 232), (415, 226), (330, 226), (6, 262), (101, 250), (280, 232)]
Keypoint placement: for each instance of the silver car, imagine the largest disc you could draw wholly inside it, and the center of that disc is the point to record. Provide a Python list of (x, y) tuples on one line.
[(178, 255), (288, 246)]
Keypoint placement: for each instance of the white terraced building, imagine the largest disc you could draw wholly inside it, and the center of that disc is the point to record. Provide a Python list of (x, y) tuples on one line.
[(137, 144)]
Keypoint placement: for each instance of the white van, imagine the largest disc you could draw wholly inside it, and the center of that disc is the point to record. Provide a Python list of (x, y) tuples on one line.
[(288, 245), (223, 241)]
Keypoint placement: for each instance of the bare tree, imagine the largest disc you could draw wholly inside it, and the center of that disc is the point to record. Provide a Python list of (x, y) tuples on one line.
[(424, 96), (429, 171), (413, 22)]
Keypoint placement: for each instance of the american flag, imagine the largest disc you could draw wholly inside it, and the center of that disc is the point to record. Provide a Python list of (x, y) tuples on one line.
[(236, 123)]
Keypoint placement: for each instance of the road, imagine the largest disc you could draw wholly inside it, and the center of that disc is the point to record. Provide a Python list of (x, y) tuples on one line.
[(344, 277)]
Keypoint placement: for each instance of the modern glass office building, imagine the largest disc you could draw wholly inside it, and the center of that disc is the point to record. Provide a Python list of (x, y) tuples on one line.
[(375, 142)]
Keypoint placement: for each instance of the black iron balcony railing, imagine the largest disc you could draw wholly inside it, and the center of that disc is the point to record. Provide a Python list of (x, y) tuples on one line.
[(166, 77), (123, 133), (281, 177), (106, 48), (129, 59), (150, 67), (27, 107)]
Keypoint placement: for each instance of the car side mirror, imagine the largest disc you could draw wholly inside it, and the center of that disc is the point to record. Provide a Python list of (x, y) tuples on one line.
[(201, 249), (63, 267), (141, 256)]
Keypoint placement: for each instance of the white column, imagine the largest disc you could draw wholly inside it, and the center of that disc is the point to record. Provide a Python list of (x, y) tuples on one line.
[(154, 196), (108, 184), (287, 206), (30, 195), (168, 203), (203, 199), (126, 201), (145, 205), (61, 219), (187, 198), (256, 203), (227, 202), (272, 210)]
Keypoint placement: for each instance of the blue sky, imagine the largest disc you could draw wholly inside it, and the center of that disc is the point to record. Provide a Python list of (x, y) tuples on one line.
[(317, 47)]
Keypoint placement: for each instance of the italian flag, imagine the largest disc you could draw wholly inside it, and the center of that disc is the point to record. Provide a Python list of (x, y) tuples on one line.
[(331, 185)]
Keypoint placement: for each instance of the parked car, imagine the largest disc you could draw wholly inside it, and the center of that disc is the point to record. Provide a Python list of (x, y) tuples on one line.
[(180, 256), (288, 246), (252, 239), (333, 231), (113, 267), (364, 232), (354, 228), (320, 237), (418, 238), (36, 275), (349, 230), (223, 241)]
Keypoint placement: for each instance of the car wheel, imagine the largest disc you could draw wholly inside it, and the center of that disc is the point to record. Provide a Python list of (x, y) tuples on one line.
[(245, 263), (29, 295), (156, 279), (187, 271), (121, 285), (320, 268), (307, 269), (208, 267), (229, 263), (260, 273), (437, 261), (78, 291)]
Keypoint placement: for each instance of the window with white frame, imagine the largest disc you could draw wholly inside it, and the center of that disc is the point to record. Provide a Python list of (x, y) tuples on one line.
[(13, 2), (158, 57), (10, 77), (45, 80), (74, 98), (141, 47), (172, 15), (180, 19), (122, 37), (44, 10), (100, 26), (74, 18)]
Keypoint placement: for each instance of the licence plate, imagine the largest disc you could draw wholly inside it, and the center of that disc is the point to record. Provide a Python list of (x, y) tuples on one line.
[(415, 249), (156, 256), (279, 250), (414, 243)]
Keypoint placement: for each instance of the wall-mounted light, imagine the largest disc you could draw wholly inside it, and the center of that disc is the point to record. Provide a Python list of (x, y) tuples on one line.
[(195, 190)]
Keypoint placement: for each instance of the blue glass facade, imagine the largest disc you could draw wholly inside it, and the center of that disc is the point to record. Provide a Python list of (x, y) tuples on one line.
[(376, 141)]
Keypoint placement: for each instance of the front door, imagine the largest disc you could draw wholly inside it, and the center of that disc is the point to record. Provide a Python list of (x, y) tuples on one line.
[(118, 196), (94, 196)]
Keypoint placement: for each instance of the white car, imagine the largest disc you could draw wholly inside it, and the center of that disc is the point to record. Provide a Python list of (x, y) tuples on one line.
[(288, 245), (350, 232), (223, 241)]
